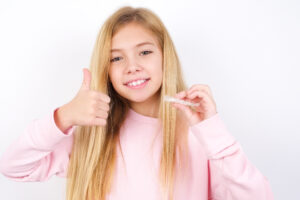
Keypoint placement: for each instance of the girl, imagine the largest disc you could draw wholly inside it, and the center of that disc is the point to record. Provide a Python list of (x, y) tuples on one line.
[(117, 139)]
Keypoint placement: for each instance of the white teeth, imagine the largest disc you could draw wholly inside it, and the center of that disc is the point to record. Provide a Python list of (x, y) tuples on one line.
[(135, 83)]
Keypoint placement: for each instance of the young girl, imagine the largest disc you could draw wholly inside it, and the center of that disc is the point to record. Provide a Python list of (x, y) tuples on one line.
[(118, 138)]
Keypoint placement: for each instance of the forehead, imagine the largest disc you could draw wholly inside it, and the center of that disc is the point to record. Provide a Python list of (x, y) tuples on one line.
[(130, 35)]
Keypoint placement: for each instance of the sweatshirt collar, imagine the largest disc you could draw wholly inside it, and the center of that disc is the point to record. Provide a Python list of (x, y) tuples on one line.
[(141, 118)]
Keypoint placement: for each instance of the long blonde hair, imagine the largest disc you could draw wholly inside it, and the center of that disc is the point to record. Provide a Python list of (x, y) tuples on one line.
[(93, 157)]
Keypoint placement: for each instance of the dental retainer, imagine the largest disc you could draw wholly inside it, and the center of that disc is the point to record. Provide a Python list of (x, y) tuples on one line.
[(172, 99)]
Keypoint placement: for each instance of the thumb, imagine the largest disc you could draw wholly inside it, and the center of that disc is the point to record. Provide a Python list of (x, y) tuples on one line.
[(183, 108), (86, 79)]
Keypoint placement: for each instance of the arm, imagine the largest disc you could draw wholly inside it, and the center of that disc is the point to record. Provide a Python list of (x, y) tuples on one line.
[(232, 176), (41, 151)]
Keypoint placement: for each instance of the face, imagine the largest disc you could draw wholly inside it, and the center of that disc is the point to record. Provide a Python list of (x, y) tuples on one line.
[(136, 55)]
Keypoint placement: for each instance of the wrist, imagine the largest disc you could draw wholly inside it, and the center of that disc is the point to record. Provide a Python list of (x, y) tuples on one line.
[(62, 119)]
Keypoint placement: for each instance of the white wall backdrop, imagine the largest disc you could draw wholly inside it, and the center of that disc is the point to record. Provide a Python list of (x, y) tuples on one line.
[(247, 51)]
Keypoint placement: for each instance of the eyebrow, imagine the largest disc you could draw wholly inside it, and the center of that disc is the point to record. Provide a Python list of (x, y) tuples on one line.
[(140, 44)]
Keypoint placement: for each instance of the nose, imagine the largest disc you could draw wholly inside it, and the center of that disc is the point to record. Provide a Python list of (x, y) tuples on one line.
[(132, 65)]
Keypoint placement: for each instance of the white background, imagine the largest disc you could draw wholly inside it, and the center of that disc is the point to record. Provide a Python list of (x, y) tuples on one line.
[(247, 51)]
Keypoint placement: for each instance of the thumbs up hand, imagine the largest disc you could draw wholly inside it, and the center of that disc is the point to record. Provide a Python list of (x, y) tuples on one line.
[(87, 108)]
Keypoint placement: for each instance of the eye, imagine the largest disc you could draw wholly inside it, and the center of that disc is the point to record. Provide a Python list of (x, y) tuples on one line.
[(147, 52), (115, 59)]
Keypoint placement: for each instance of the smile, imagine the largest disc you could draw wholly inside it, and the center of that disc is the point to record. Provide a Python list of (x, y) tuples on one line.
[(138, 84)]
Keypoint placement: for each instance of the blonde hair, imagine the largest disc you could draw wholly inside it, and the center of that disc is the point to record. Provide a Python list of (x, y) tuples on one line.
[(93, 157)]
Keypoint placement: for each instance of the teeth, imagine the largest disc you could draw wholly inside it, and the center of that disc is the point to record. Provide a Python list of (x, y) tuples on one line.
[(136, 82)]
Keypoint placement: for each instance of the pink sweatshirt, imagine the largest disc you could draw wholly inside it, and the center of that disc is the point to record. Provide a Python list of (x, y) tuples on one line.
[(219, 169)]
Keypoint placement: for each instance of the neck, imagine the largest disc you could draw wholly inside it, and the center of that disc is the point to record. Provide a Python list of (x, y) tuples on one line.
[(149, 108)]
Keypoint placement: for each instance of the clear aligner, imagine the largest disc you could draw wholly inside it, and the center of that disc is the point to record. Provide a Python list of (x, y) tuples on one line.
[(172, 99)]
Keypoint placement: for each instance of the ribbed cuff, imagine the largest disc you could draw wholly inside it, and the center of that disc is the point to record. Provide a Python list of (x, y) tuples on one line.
[(46, 134), (212, 133)]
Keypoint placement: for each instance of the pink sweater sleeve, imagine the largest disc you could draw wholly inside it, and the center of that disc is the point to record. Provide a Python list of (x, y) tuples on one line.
[(41, 151), (231, 174)]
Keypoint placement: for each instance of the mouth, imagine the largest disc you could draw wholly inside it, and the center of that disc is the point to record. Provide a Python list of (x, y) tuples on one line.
[(138, 84)]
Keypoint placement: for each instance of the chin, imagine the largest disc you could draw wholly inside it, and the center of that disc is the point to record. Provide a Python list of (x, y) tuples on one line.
[(138, 99)]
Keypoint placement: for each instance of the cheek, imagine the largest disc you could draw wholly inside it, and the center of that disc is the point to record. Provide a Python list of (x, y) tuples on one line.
[(159, 64), (157, 74), (115, 83), (113, 76)]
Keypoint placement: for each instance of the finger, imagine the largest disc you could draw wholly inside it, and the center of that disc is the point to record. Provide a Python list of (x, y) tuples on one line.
[(200, 94), (103, 106), (201, 87), (185, 109), (199, 90), (99, 121), (181, 94), (101, 114), (101, 96), (86, 79)]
